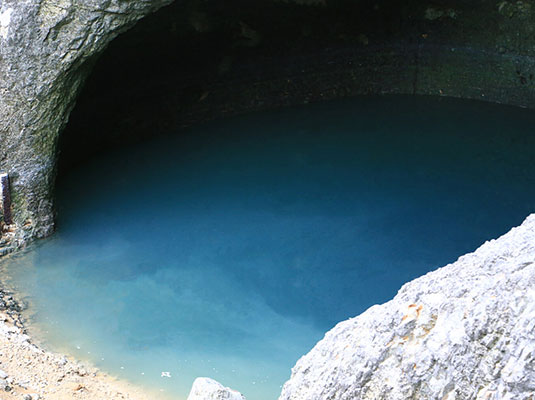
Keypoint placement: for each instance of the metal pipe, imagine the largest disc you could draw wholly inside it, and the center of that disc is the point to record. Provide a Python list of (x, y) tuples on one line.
[(6, 198)]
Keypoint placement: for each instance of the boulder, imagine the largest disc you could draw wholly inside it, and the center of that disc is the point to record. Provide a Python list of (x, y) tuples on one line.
[(465, 331), (208, 389)]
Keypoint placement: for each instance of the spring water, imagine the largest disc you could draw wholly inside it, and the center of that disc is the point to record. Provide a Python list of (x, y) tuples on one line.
[(227, 250)]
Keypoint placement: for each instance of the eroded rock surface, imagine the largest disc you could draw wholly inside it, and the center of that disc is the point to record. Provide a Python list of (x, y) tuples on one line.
[(465, 331), (47, 48)]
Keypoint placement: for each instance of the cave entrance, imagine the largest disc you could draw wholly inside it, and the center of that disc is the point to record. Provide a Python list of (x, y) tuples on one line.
[(201, 60), (190, 246)]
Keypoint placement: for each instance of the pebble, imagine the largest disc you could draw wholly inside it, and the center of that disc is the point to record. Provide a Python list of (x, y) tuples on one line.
[(48, 373)]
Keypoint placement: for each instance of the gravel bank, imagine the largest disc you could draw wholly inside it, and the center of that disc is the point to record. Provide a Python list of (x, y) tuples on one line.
[(27, 372)]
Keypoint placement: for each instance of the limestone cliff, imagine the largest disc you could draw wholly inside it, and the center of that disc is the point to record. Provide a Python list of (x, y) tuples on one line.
[(465, 331)]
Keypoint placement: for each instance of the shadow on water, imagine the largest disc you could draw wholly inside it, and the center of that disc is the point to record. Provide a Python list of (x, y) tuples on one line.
[(227, 250)]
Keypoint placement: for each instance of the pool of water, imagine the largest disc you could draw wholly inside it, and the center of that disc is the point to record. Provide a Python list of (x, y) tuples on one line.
[(228, 249)]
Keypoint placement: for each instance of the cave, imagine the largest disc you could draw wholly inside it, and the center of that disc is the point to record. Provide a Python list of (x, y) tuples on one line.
[(199, 60), (272, 54), (164, 131)]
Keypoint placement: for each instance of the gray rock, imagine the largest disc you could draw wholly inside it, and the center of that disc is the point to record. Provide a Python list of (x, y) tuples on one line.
[(3, 374), (47, 49), (465, 331), (208, 389)]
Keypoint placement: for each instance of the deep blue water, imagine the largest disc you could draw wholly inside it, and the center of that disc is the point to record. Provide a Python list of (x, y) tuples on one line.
[(227, 250)]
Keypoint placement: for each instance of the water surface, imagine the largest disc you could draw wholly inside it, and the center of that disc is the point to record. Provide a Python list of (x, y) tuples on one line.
[(228, 249)]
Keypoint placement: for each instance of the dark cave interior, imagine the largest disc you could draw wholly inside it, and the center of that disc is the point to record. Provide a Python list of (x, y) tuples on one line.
[(201, 59)]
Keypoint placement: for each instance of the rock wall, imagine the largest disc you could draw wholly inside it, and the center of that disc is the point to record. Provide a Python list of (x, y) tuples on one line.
[(47, 49), (268, 54), (200, 60), (465, 331)]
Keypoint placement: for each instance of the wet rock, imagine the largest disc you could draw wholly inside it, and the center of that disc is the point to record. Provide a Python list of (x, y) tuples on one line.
[(209, 389), (514, 9), (432, 13)]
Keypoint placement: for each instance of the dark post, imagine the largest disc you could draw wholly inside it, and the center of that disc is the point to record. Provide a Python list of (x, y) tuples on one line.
[(6, 198)]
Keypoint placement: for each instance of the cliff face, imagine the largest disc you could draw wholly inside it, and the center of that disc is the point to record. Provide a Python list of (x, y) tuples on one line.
[(47, 49), (465, 331)]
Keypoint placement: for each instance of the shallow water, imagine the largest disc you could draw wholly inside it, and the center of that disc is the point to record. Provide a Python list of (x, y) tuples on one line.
[(229, 249)]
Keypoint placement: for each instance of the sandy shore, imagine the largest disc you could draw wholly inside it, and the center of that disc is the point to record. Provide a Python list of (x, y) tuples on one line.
[(28, 372)]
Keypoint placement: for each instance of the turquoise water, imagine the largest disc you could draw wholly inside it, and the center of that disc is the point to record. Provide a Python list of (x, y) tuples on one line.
[(227, 250)]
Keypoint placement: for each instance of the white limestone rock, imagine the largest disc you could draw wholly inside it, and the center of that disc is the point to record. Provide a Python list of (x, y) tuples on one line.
[(208, 389), (465, 331)]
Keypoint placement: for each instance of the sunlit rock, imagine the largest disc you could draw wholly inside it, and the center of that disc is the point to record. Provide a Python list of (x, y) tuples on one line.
[(208, 389), (465, 331)]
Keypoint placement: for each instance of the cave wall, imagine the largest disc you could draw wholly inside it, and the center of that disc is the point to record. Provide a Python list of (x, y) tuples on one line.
[(47, 48), (465, 331), (202, 59)]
